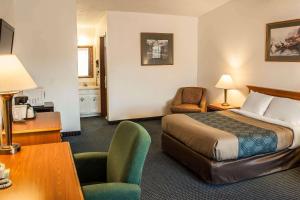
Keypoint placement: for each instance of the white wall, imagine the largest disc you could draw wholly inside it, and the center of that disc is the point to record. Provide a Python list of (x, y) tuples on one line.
[(232, 40), (46, 43), (136, 91)]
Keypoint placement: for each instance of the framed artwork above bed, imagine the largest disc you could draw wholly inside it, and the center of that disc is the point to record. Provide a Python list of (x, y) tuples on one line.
[(283, 41)]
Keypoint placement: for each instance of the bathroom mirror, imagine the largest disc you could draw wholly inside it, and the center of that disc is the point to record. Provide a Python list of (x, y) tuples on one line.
[(85, 61)]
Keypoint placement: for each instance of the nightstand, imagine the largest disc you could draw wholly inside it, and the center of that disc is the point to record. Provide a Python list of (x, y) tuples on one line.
[(218, 107)]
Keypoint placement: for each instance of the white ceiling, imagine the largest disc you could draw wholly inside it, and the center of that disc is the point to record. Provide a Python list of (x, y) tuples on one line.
[(89, 11)]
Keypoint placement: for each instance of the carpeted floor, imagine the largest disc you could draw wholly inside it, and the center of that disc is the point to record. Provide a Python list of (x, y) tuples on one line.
[(165, 179)]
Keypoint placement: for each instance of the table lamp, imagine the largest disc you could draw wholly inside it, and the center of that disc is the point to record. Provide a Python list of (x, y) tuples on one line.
[(14, 78), (225, 83)]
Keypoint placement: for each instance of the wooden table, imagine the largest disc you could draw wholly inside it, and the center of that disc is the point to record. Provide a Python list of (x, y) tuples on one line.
[(45, 128), (219, 107), (42, 172)]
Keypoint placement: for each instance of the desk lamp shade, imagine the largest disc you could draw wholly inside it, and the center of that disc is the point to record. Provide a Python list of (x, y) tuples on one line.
[(14, 78), (226, 83)]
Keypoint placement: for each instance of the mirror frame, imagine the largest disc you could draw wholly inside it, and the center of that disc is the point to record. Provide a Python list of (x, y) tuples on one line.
[(91, 62)]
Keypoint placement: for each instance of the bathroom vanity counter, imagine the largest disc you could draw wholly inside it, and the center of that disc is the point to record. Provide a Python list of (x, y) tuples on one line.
[(94, 87), (89, 100)]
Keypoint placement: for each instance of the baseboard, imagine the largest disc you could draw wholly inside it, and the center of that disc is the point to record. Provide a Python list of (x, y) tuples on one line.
[(90, 115), (76, 133), (134, 120), (70, 133)]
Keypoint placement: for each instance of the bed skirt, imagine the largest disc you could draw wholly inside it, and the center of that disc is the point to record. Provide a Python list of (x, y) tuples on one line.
[(224, 172)]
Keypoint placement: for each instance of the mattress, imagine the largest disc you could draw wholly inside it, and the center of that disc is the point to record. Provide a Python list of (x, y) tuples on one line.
[(227, 135)]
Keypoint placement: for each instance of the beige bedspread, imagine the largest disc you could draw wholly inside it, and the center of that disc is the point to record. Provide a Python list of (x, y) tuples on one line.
[(215, 143)]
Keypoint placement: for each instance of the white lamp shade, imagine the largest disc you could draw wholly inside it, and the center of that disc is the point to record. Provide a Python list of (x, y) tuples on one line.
[(225, 82), (13, 76)]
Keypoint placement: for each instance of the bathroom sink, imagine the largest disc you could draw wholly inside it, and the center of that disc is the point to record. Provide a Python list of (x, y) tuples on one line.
[(89, 87)]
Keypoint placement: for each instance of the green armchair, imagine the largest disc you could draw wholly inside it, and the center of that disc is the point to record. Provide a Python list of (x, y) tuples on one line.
[(115, 174)]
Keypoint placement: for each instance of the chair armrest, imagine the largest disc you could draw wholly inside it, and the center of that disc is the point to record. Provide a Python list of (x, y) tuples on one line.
[(91, 166), (112, 191), (203, 102), (178, 97)]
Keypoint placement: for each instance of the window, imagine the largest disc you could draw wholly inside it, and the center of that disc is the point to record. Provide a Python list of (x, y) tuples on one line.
[(85, 61)]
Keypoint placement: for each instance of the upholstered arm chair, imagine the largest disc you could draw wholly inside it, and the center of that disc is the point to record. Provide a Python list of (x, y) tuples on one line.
[(115, 174), (189, 100)]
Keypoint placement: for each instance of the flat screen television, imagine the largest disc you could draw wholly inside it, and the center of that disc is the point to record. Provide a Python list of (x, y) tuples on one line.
[(6, 37)]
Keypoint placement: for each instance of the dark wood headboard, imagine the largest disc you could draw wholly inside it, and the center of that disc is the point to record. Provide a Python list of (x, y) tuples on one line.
[(275, 92)]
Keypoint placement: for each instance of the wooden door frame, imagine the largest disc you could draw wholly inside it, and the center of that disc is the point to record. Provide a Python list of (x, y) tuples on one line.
[(103, 87)]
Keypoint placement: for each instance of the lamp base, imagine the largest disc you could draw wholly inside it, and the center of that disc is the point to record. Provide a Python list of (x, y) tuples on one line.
[(225, 104), (12, 149)]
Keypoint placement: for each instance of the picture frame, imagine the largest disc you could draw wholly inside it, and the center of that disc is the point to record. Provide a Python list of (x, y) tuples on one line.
[(157, 49), (283, 41)]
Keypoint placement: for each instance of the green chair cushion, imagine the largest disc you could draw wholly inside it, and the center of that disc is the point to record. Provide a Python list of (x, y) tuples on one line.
[(111, 191)]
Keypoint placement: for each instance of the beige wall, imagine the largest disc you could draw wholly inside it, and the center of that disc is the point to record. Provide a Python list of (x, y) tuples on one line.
[(7, 11), (232, 40), (46, 42), (136, 91), (101, 30), (89, 35)]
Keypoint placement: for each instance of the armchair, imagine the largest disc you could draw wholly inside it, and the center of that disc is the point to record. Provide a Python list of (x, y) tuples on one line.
[(115, 174), (189, 100)]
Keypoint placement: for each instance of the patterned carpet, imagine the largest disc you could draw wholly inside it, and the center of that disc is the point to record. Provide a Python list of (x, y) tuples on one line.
[(165, 179)]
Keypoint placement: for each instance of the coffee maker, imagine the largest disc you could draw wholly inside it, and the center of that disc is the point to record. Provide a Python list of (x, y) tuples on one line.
[(22, 110)]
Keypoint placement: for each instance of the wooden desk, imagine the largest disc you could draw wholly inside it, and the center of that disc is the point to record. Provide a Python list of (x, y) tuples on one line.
[(42, 172), (45, 128)]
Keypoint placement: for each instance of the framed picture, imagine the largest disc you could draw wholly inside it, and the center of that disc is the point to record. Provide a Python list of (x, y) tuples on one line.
[(283, 41), (156, 49)]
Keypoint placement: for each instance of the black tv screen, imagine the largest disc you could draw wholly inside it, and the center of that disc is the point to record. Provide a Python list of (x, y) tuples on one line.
[(6, 37)]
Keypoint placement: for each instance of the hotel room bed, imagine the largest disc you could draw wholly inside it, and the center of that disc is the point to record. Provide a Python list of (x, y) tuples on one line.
[(230, 146)]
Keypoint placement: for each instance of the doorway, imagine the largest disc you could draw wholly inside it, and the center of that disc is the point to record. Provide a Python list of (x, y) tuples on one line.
[(103, 85)]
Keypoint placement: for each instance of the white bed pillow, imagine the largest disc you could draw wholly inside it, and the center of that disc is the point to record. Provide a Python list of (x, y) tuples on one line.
[(284, 109), (257, 103)]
